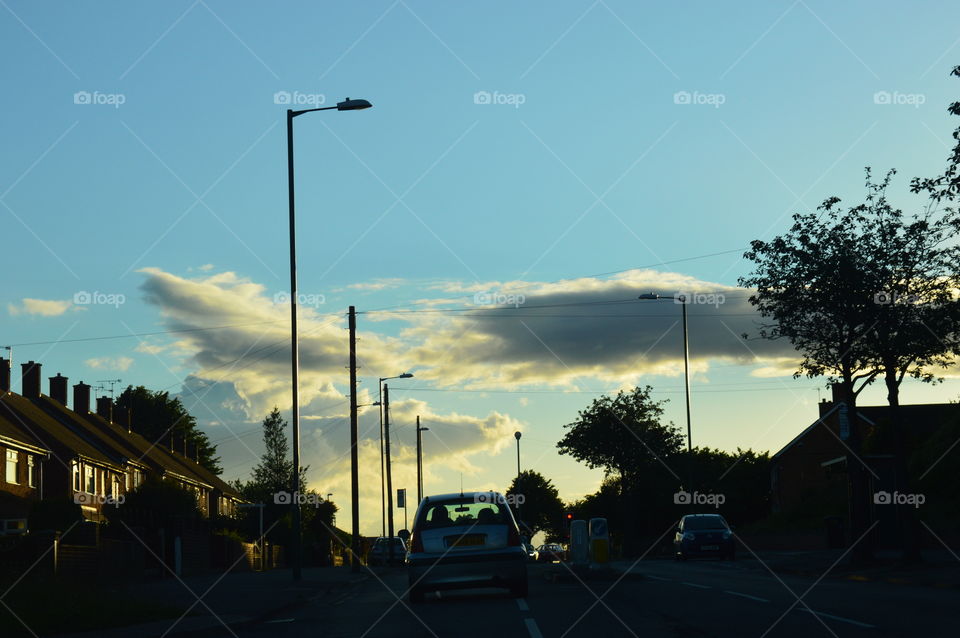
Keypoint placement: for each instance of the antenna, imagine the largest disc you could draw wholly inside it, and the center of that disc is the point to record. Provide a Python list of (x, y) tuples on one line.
[(103, 388)]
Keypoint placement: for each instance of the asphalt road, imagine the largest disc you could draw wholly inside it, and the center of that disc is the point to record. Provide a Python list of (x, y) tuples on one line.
[(657, 598)]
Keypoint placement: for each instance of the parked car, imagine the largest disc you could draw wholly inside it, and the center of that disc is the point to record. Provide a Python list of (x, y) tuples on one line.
[(380, 552), (700, 535), (532, 553), (550, 552), (463, 541)]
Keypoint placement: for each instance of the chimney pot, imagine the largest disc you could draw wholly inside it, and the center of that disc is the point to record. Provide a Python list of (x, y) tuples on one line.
[(105, 408), (81, 398), (31, 379), (58, 388), (121, 416)]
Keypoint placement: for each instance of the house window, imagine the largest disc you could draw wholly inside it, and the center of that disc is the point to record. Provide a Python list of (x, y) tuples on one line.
[(77, 485), (90, 479), (31, 471), (13, 464)]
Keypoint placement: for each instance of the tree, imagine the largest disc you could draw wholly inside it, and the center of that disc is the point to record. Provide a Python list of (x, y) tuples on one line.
[(946, 186), (541, 509), (624, 436), (156, 417)]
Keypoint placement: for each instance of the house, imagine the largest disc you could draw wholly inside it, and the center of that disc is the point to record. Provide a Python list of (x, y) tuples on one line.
[(809, 474), (93, 458)]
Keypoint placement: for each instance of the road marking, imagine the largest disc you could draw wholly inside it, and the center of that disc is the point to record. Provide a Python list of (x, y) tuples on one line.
[(522, 604), (839, 618), (532, 628), (736, 593), (657, 577), (695, 585)]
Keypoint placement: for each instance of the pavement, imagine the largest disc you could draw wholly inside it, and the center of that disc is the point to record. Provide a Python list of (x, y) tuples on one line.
[(230, 602)]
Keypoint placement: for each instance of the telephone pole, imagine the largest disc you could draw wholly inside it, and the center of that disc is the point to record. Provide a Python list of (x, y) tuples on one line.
[(420, 461), (386, 449), (354, 472)]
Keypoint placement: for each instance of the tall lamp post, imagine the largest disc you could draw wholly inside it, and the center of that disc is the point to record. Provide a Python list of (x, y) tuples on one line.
[(383, 475), (420, 461), (517, 435), (346, 105), (682, 300)]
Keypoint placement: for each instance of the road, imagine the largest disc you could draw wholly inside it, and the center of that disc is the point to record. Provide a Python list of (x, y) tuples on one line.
[(656, 599)]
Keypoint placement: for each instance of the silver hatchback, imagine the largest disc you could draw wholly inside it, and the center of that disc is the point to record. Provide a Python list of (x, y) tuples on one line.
[(462, 541)]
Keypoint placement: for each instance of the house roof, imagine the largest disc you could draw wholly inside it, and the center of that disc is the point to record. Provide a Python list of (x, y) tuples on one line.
[(821, 421), (49, 432), (13, 435)]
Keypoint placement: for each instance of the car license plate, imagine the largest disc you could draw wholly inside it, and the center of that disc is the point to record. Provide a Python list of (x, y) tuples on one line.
[(466, 540), (709, 548)]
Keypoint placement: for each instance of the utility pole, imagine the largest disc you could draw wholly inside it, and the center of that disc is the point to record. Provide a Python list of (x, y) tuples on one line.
[(294, 362), (354, 460), (386, 450), (419, 465)]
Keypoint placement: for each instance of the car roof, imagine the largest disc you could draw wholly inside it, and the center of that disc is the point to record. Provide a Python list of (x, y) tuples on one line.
[(457, 495)]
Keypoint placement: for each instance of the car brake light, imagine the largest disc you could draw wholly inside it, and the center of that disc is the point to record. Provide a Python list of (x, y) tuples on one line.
[(513, 536)]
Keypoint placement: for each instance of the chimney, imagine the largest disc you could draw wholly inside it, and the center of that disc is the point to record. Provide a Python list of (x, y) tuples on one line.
[(825, 406), (4, 375), (105, 408), (121, 416), (31, 379), (839, 396), (58, 388), (81, 398)]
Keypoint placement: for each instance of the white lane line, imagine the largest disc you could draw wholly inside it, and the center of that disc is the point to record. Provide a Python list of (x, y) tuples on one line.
[(695, 585), (522, 604), (657, 577), (838, 618), (736, 593), (532, 628)]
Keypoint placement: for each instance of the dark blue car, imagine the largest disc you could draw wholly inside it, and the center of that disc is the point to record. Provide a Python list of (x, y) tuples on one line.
[(703, 535)]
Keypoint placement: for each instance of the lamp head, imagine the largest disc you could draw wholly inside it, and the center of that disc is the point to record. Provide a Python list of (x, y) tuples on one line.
[(406, 375), (353, 105), (517, 435), (649, 295)]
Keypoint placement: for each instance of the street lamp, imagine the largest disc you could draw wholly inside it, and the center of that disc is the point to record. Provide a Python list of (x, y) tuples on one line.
[(346, 105), (383, 476), (420, 461), (517, 435), (682, 300)]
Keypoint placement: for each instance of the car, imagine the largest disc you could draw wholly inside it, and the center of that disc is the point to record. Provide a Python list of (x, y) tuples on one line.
[(532, 553), (465, 540), (380, 551), (550, 552), (703, 535)]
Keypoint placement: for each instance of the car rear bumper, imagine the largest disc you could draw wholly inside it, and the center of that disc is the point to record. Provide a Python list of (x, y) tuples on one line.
[(695, 549), (462, 570)]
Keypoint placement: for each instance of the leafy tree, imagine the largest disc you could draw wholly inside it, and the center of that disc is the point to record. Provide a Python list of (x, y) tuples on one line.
[(542, 509), (156, 417), (946, 186)]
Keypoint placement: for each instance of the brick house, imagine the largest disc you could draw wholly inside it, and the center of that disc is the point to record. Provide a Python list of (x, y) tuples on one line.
[(21, 481)]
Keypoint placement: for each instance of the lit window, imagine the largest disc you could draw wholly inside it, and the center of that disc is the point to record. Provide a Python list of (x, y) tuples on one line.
[(90, 479), (31, 472), (13, 463), (77, 485)]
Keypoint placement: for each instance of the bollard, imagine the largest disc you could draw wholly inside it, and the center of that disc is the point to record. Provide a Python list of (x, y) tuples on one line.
[(599, 541)]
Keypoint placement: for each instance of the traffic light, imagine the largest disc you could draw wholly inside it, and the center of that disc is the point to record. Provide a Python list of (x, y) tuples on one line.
[(569, 516)]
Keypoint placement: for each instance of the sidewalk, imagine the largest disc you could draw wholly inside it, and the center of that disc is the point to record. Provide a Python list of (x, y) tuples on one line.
[(239, 599)]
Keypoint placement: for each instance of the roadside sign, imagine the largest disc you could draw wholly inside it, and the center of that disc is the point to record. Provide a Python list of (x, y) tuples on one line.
[(402, 498)]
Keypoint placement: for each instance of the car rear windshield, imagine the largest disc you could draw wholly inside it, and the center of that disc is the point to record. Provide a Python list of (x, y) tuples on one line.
[(704, 522), (465, 512)]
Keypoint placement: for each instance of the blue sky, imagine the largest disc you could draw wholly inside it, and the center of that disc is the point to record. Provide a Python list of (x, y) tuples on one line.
[(144, 158)]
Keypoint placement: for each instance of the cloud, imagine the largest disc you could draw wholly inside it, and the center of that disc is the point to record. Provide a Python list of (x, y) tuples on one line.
[(41, 307), (377, 284), (110, 363)]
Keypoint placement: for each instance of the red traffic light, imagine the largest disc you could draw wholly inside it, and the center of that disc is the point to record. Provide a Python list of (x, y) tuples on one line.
[(569, 516)]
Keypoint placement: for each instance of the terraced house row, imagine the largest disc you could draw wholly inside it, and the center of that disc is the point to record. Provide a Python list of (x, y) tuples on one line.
[(53, 450)]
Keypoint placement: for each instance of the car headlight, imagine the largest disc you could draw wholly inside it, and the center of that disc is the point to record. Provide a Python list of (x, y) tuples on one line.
[(689, 536)]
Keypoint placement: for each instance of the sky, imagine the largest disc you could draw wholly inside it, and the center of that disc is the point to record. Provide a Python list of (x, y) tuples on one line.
[(543, 163)]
